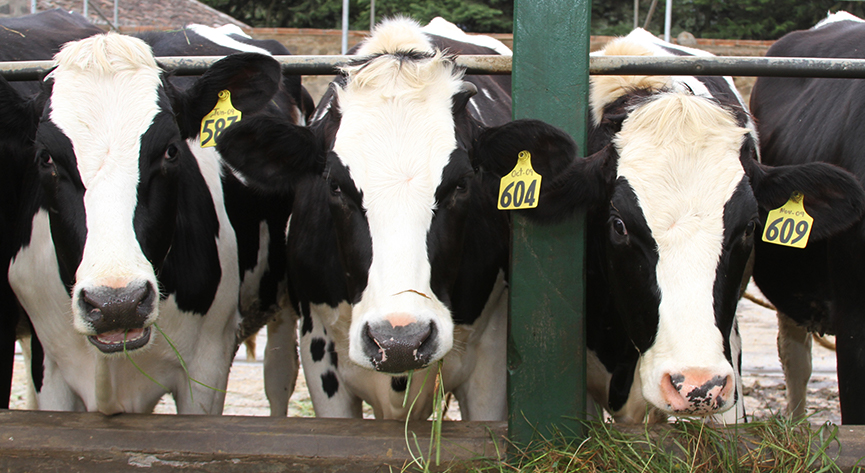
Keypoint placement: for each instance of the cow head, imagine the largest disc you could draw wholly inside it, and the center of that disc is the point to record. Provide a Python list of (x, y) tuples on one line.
[(112, 155), (392, 141), (675, 197)]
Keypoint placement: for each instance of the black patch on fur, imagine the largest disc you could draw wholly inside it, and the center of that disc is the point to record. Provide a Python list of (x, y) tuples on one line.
[(329, 383), (334, 356), (316, 349)]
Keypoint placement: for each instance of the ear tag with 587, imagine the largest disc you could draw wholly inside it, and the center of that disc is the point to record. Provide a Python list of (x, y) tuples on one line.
[(221, 117)]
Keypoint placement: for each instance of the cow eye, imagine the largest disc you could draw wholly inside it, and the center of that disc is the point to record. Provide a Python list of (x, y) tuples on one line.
[(462, 184), (171, 153), (334, 188), (749, 228), (43, 157), (619, 227)]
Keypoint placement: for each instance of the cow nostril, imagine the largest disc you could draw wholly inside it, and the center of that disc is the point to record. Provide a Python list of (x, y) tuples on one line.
[(89, 308), (427, 346)]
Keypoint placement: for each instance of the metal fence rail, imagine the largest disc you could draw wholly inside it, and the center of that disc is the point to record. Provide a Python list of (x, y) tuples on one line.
[(600, 65)]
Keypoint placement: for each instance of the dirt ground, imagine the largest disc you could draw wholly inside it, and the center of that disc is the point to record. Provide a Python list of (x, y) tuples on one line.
[(762, 376)]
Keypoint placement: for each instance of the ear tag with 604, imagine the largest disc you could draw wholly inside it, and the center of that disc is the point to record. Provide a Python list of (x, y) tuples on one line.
[(221, 117), (789, 225), (520, 188)]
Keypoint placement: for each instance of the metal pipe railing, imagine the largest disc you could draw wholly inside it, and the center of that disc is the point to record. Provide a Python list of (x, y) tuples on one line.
[(483, 64)]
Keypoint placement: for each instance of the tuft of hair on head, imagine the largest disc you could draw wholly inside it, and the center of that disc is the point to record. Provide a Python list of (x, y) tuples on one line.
[(400, 58), (393, 35), (604, 90), (105, 53), (677, 117)]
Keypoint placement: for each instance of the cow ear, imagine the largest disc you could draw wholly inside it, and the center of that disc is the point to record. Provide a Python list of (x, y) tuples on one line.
[(253, 79), (569, 182), (269, 153), (832, 196), (20, 115)]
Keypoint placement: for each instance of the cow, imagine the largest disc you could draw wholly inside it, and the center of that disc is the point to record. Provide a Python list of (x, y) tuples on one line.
[(673, 193), (397, 254), (125, 258), (811, 120), (259, 221), (26, 38)]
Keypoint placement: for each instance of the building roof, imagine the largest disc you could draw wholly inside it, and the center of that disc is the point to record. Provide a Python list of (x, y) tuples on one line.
[(161, 14)]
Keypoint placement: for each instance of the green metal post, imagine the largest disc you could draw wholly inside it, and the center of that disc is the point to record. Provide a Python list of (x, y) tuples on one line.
[(546, 352)]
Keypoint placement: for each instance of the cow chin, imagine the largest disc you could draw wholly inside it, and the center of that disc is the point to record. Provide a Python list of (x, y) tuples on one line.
[(116, 318), (399, 342)]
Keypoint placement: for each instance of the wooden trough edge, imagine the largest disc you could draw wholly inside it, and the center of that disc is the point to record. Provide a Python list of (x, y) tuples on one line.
[(91, 442), (34, 441)]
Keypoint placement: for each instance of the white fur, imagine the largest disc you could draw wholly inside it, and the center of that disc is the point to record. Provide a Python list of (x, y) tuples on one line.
[(396, 136), (840, 15), (441, 27), (220, 36)]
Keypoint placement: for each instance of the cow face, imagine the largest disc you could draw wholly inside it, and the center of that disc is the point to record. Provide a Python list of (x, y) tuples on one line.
[(111, 151), (397, 180), (679, 229), (395, 144)]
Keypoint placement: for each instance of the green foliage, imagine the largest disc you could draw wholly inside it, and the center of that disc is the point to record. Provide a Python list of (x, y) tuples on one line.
[(728, 19)]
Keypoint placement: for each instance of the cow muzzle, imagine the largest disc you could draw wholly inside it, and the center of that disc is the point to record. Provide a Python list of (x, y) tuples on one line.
[(118, 316), (400, 343), (697, 392)]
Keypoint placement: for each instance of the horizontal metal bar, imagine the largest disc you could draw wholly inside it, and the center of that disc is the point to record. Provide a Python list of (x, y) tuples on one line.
[(728, 66), (300, 65), (598, 65)]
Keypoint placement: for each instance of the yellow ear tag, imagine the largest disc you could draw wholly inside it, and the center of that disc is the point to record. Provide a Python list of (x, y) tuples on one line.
[(520, 188), (221, 117), (789, 225)]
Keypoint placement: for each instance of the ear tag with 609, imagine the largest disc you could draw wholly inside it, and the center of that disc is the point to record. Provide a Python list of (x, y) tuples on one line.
[(789, 225), (520, 188), (221, 117)]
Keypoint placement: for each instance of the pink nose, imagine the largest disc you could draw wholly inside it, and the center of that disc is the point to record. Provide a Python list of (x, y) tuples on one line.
[(696, 392)]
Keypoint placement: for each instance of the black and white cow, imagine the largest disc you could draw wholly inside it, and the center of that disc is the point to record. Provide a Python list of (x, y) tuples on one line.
[(259, 220), (397, 253), (26, 38), (818, 288), (673, 190), (124, 241)]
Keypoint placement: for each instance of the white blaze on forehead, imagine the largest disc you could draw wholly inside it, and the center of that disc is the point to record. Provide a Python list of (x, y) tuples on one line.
[(680, 154), (104, 98), (396, 135)]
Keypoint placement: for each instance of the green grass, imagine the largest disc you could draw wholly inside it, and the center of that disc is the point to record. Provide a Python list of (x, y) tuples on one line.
[(773, 445)]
